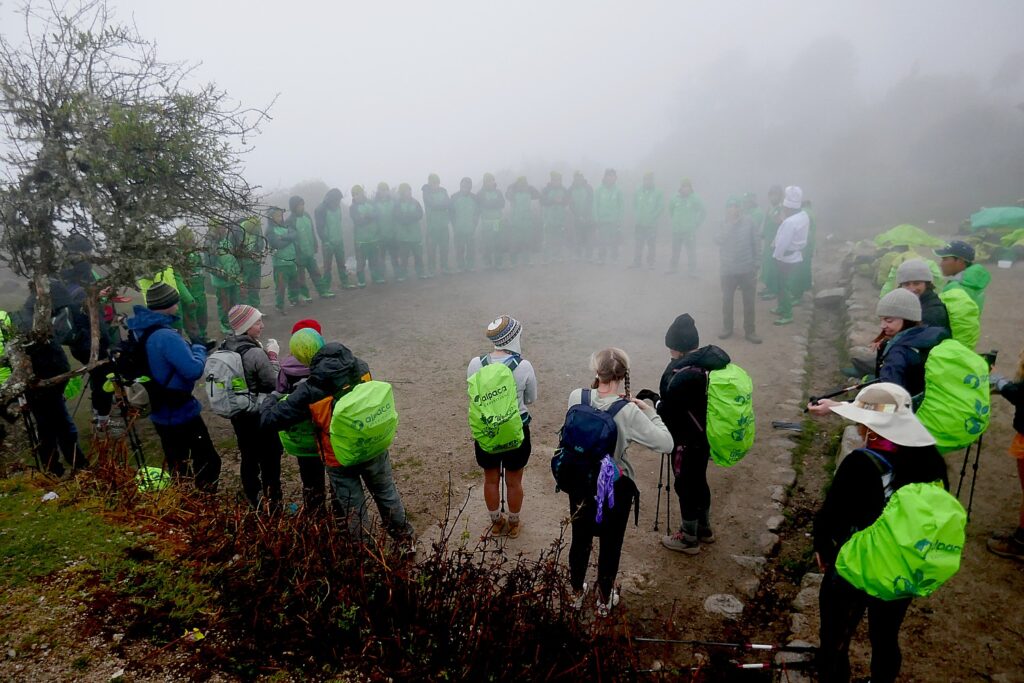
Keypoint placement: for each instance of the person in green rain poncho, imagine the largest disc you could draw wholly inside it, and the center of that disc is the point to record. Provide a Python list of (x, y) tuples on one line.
[(408, 215), (609, 207), (281, 239), (554, 207), (367, 237), (772, 219), (384, 209), (195, 316), (581, 203), (305, 250), (519, 224), (436, 204), (648, 203), (687, 213), (224, 244), (492, 203), (465, 214), (250, 260), (328, 218)]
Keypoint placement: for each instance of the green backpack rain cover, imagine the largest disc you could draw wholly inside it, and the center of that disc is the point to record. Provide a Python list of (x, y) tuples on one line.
[(964, 316), (730, 418), (911, 549), (300, 440), (494, 415), (955, 409), (363, 423)]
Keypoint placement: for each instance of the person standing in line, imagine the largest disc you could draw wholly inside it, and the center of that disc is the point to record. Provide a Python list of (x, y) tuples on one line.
[(738, 253), (505, 333), (688, 214), (769, 227), (281, 239), (408, 217), (329, 226), (492, 204), (609, 207), (305, 250), (367, 235), (581, 204), (225, 271), (790, 241), (648, 203), (521, 196), (554, 202), (250, 261), (465, 214), (436, 204), (384, 209)]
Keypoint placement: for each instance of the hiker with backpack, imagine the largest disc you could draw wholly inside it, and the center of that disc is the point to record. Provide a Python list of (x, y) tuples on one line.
[(915, 276), (683, 405), (501, 384), (238, 375), (903, 343), (300, 440), (1012, 544), (158, 351), (355, 422), (962, 272), (886, 532), (591, 467)]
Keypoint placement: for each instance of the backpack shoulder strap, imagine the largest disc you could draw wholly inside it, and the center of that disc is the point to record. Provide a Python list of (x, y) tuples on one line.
[(513, 361), (884, 470), (485, 359), (585, 397), (614, 408)]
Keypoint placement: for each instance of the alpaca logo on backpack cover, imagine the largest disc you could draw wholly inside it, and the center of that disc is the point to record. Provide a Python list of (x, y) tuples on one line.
[(490, 395)]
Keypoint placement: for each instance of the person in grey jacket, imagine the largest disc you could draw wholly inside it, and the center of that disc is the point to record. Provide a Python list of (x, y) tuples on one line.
[(739, 254), (260, 449)]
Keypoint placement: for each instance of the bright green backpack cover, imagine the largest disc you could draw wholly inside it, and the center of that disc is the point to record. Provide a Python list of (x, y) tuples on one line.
[(964, 316), (494, 415), (955, 409), (911, 549), (363, 423), (300, 440), (730, 418)]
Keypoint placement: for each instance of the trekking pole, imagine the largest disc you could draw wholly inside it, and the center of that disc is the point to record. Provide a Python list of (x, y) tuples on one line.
[(839, 392), (974, 477), (81, 396), (501, 475), (747, 647), (963, 468), (657, 505), (30, 432)]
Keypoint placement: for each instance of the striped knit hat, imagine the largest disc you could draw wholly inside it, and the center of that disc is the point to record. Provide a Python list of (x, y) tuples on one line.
[(161, 296), (503, 331), (242, 317), (305, 344)]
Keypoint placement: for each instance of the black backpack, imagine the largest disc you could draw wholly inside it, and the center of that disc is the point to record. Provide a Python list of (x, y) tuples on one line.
[(130, 363), (587, 436)]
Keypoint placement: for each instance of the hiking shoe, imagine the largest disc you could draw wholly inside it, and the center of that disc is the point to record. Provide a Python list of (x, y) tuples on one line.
[(753, 338), (1009, 547), (514, 528), (605, 608), (306, 299), (768, 296), (784, 321), (725, 334), (328, 295), (499, 527), (679, 543), (706, 535), (580, 597)]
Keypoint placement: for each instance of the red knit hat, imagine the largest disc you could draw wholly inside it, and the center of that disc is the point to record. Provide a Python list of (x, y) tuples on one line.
[(307, 323)]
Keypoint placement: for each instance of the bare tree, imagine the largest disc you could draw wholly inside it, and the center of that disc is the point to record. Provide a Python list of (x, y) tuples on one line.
[(103, 140)]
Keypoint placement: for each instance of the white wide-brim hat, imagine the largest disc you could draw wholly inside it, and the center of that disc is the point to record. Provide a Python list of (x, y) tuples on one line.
[(885, 409)]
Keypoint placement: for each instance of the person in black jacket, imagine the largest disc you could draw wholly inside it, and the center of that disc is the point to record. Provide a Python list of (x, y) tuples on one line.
[(897, 450), (1012, 545), (903, 343), (683, 405), (915, 276)]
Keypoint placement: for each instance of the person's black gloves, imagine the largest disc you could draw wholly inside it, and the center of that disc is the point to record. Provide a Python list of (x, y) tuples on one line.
[(210, 344), (645, 394)]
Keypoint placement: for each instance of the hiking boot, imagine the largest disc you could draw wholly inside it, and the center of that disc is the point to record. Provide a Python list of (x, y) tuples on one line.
[(499, 527), (579, 597), (514, 528), (768, 296), (328, 295), (1009, 547), (605, 608), (725, 334), (681, 543), (753, 338), (784, 321), (306, 299)]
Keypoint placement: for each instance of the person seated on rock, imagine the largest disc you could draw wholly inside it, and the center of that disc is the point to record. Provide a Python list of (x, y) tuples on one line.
[(903, 343), (916, 277), (894, 437)]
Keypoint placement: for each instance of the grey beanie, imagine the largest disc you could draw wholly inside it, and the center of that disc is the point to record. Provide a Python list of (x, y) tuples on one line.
[(899, 303), (914, 270)]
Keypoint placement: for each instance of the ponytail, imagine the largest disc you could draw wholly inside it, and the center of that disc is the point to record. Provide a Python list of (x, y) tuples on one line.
[(610, 365)]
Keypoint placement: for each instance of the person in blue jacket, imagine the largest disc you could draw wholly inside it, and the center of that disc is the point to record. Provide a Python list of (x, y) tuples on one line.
[(174, 367), (904, 343)]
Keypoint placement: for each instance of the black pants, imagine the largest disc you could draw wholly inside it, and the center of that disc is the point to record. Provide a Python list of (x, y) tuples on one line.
[(611, 531), (690, 466), (56, 431), (187, 442), (260, 451), (101, 400), (747, 284), (842, 607), (314, 481)]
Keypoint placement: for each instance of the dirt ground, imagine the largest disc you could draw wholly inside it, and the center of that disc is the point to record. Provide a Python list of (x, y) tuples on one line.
[(421, 335)]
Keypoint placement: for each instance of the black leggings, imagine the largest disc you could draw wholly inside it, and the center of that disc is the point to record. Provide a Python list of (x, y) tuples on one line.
[(842, 607), (611, 531), (260, 451), (691, 469)]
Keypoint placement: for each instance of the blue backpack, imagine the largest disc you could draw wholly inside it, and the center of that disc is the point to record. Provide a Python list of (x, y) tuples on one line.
[(587, 436)]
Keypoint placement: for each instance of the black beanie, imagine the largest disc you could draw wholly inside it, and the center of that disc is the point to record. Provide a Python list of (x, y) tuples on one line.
[(682, 334), (161, 296)]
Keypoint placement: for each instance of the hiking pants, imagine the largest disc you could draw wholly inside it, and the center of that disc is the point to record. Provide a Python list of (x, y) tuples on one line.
[(583, 238), (413, 251), (644, 237), (842, 607), (55, 429), (285, 279), (348, 482), (367, 255), (307, 264), (788, 273), (391, 249), (689, 240), (260, 451), (747, 284), (465, 250), (611, 531), (769, 272), (607, 239), (437, 249), (227, 297), (186, 442), (313, 476), (252, 279), (690, 466), (334, 254), (196, 316)]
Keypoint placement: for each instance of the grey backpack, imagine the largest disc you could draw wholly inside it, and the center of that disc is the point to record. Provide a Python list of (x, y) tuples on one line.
[(225, 385)]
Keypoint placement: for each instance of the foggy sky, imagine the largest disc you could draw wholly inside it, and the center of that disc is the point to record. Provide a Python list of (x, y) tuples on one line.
[(394, 90)]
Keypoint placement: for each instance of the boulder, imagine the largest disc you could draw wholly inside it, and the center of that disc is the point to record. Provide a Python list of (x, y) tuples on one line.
[(728, 606)]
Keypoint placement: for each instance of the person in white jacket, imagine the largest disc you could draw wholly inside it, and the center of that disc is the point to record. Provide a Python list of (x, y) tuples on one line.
[(790, 241)]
